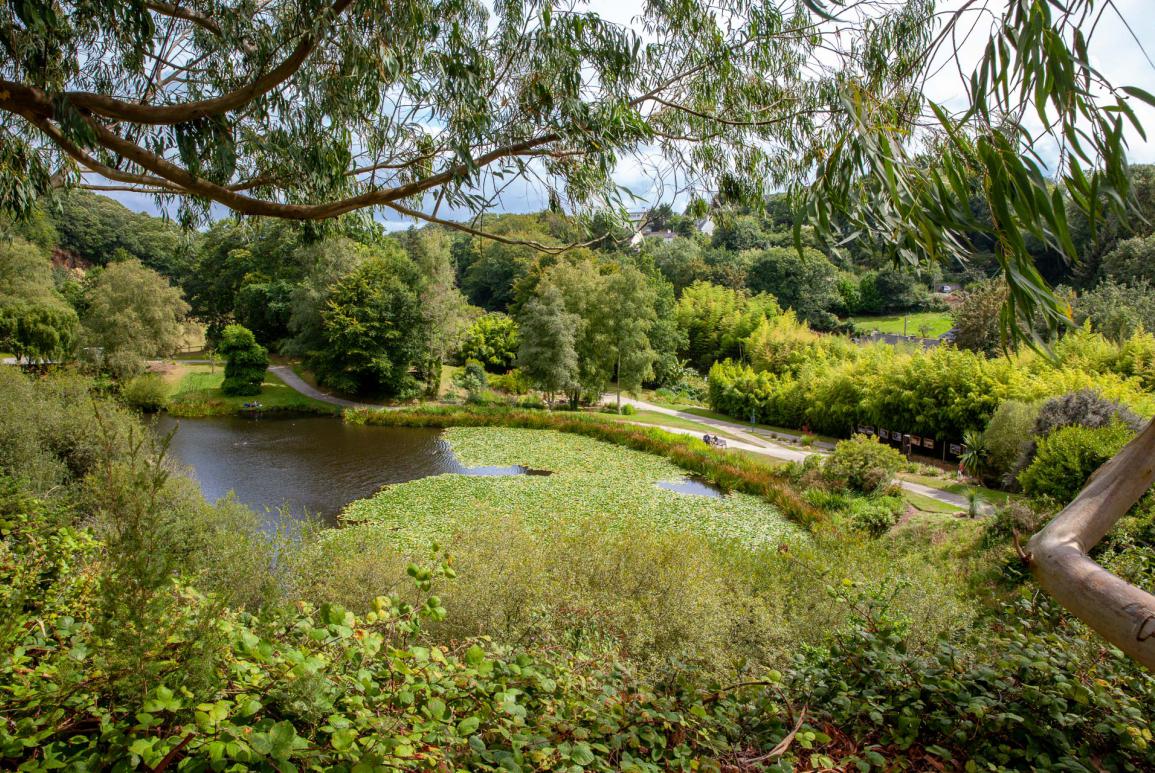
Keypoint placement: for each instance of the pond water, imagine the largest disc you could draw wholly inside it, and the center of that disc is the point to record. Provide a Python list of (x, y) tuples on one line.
[(309, 465), (694, 485)]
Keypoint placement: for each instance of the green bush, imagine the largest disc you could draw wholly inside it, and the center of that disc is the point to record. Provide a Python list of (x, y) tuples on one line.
[(492, 340), (246, 361), (832, 386), (875, 515), (1015, 516), (146, 392), (1028, 693), (515, 382), (1065, 459), (471, 378), (1006, 437), (863, 463)]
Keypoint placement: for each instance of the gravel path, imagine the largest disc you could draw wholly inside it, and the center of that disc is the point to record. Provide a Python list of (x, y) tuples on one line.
[(289, 376)]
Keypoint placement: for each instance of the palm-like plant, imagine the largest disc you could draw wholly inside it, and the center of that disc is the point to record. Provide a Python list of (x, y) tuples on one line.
[(974, 457)]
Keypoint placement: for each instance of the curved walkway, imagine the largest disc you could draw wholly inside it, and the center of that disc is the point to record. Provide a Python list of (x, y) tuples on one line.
[(758, 445), (291, 379)]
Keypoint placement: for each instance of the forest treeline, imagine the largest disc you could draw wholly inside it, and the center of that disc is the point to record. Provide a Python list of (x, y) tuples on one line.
[(298, 288)]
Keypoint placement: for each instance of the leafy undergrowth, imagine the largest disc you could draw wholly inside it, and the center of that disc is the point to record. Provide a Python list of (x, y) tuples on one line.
[(141, 627), (728, 471), (590, 480), (320, 688), (198, 393)]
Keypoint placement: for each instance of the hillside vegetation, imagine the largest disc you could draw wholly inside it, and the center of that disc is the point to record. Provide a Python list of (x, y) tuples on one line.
[(140, 620)]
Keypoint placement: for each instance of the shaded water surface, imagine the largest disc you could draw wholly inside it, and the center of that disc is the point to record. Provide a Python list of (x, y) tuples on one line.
[(694, 485), (312, 464)]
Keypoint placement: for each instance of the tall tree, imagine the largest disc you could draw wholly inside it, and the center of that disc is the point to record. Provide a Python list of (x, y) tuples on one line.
[(133, 313), (547, 334), (447, 313), (623, 324), (976, 318), (327, 262), (801, 280), (373, 329), (581, 285)]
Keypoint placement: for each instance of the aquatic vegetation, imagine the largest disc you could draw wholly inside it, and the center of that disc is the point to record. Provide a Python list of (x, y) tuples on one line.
[(729, 471), (591, 480)]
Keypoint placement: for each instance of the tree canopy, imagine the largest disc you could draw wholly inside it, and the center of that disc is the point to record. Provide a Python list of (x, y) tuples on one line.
[(308, 110), (36, 323)]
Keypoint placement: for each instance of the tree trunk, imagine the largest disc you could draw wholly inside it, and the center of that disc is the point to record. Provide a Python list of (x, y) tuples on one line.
[(1120, 612), (619, 385)]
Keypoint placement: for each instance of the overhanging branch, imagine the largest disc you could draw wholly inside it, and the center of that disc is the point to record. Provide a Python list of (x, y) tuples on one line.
[(1120, 612)]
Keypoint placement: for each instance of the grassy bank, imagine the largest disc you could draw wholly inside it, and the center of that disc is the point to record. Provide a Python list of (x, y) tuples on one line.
[(663, 419), (196, 391), (728, 471), (935, 323)]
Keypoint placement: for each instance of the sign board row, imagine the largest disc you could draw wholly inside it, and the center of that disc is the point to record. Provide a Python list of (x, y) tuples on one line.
[(916, 441)]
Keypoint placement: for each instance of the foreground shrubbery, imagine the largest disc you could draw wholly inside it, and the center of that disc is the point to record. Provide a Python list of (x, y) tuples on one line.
[(142, 627)]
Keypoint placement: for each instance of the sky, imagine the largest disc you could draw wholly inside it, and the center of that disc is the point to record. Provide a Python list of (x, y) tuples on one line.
[(1114, 51)]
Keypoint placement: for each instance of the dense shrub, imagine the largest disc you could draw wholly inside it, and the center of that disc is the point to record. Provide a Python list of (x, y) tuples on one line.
[(1006, 436), (53, 433), (491, 340), (875, 515), (245, 361), (1065, 459), (863, 464), (1016, 515), (1027, 693), (471, 378), (146, 392), (834, 386), (514, 382), (1085, 408)]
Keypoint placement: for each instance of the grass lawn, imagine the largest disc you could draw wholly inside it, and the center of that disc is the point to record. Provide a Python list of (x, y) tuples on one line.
[(198, 355), (707, 413), (447, 374), (196, 392), (662, 419), (936, 322), (590, 480), (993, 496), (928, 505)]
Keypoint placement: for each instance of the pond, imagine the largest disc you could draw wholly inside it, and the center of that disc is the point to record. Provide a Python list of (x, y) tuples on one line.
[(311, 465), (693, 485)]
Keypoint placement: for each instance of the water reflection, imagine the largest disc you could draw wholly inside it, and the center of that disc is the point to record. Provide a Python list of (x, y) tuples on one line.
[(694, 486)]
